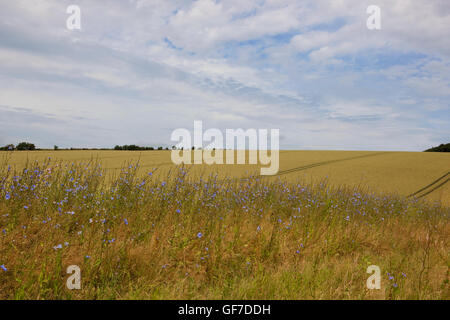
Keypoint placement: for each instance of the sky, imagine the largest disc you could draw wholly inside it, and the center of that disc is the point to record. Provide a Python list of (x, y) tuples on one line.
[(137, 70)]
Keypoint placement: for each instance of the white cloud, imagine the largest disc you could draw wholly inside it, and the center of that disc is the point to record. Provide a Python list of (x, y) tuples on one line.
[(311, 68)]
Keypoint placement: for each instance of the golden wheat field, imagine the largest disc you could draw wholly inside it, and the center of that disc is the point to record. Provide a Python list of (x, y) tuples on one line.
[(402, 173), (139, 227)]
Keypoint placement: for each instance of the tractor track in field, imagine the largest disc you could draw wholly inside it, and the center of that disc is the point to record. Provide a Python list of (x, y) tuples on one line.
[(436, 184), (313, 165), (431, 187)]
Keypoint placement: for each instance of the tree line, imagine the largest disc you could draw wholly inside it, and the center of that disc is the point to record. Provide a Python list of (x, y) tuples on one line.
[(441, 148), (20, 146), (134, 147), (31, 146)]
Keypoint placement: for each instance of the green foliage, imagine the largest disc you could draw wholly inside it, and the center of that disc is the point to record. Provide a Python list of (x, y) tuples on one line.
[(8, 147), (133, 147), (25, 146), (440, 148)]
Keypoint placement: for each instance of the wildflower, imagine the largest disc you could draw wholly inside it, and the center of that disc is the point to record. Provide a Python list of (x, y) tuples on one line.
[(259, 228), (199, 235), (3, 267), (7, 196), (395, 285), (347, 218), (178, 211), (126, 221), (404, 274), (87, 257), (59, 246)]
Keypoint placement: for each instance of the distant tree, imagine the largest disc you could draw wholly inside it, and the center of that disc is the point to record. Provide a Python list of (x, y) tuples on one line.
[(160, 148), (26, 146), (55, 147), (441, 148), (133, 147), (8, 147)]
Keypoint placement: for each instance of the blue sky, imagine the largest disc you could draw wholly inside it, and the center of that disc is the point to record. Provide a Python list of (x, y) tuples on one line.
[(137, 70)]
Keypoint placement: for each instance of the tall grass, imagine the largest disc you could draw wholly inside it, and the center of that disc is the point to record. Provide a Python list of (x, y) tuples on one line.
[(136, 236)]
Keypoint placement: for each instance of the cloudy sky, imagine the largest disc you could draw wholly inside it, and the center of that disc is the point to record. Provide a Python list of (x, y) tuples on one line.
[(139, 69)]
